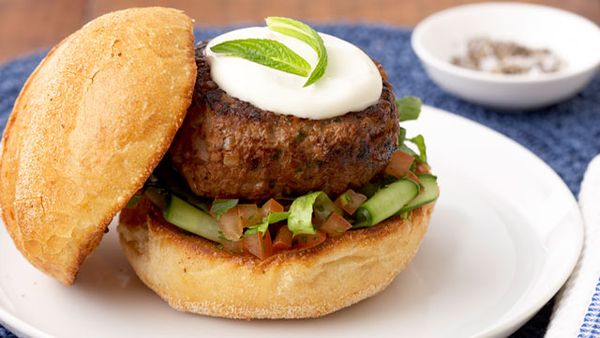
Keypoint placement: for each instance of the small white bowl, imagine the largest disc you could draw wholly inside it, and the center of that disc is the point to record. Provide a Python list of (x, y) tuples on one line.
[(573, 38)]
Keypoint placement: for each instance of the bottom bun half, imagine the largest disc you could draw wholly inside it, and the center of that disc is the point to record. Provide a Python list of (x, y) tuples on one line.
[(194, 275)]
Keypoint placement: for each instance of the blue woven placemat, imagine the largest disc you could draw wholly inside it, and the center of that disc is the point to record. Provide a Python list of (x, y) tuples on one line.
[(591, 321), (566, 135)]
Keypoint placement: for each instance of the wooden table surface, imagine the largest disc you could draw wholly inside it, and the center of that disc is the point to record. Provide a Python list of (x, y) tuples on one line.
[(27, 25)]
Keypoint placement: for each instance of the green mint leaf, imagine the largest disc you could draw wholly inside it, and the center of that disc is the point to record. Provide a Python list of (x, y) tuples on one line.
[(219, 207), (269, 53), (301, 210), (419, 141), (409, 108), (305, 33)]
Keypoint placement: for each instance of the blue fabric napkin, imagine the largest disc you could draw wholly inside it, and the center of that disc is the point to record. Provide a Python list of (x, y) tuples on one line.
[(591, 322), (566, 135)]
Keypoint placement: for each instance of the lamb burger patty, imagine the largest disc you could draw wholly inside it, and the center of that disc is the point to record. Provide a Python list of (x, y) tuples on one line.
[(228, 148)]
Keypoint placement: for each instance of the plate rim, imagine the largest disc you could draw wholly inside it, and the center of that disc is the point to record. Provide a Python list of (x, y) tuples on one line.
[(18, 326), (513, 322)]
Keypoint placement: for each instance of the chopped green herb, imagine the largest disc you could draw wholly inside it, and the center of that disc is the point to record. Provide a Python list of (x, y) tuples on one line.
[(219, 207), (301, 210), (407, 150), (260, 227), (409, 108), (401, 136), (305, 33), (344, 198), (324, 207), (300, 137), (275, 217), (419, 141)]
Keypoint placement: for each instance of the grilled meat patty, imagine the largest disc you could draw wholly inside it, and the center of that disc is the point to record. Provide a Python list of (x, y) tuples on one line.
[(228, 148)]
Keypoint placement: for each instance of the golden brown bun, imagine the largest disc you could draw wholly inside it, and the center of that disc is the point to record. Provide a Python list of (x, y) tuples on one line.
[(193, 275), (89, 126)]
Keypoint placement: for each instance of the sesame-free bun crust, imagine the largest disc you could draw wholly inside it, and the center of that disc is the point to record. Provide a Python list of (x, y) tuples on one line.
[(193, 275), (87, 129)]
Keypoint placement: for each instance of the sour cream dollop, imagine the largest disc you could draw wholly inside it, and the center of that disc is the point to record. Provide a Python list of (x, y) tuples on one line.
[(351, 81)]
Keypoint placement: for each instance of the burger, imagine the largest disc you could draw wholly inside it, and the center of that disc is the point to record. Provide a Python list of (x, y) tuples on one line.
[(261, 174)]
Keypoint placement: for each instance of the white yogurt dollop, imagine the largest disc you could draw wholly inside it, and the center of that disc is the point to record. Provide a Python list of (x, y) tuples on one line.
[(351, 81)]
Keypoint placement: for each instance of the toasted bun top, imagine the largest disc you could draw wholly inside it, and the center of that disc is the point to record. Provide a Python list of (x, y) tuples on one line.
[(90, 125)]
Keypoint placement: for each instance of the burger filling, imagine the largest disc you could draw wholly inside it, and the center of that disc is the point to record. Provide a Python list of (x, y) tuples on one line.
[(279, 224), (258, 172)]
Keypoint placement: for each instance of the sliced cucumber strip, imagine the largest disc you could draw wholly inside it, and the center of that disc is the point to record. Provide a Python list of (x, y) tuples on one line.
[(187, 217), (429, 193), (386, 202)]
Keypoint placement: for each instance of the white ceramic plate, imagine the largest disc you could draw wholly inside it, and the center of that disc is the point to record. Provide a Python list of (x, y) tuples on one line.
[(504, 237)]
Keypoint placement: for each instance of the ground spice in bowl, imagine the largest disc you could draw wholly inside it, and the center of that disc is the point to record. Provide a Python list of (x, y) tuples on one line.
[(507, 57)]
